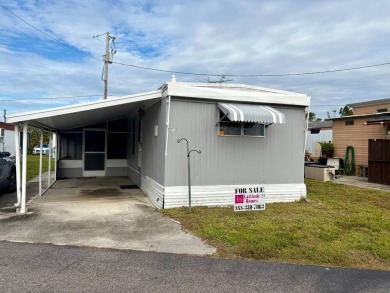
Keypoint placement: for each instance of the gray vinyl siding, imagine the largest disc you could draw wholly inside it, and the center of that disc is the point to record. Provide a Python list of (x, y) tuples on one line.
[(153, 147), (276, 158)]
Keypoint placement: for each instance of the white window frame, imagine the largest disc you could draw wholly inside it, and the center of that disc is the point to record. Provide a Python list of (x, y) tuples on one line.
[(242, 129)]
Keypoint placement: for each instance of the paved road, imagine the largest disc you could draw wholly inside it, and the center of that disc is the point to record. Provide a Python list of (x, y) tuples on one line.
[(48, 268)]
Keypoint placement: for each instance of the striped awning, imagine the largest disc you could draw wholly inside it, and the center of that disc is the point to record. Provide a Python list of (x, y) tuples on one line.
[(252, 113)]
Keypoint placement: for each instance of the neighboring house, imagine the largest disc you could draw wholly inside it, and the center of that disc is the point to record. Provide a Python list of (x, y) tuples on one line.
[(7, 138), (318, 131), (248, 136), (370, 120)]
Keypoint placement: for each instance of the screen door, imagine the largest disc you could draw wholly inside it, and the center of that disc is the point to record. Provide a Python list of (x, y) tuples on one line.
[(94, 152)]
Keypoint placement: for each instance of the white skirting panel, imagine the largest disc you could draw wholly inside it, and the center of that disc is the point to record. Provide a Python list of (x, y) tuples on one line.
[(153, 190), (70, 164), (215, 195), (134, 175), (223, 195)]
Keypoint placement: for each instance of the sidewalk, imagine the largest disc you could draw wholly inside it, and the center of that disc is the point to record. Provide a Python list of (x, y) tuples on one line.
[(361, 182)]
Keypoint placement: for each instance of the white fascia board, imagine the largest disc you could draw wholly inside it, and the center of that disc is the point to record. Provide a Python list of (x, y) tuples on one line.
[(224, 94), (227, 86), (26, 116)]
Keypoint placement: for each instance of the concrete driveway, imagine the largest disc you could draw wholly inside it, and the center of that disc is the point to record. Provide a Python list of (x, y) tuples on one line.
[(96, 212)]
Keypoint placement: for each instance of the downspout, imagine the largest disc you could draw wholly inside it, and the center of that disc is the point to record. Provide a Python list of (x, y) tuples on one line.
[(167, 123), (168, 101), (306, 128)]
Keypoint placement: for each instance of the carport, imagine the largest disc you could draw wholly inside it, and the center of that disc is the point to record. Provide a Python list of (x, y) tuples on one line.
[(57, 120)]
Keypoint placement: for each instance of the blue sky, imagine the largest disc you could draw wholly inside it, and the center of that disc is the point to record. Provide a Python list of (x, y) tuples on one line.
[(216, 37)]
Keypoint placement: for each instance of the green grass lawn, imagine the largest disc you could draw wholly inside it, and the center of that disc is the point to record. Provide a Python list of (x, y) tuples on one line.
[(33, 165), (340, 226)]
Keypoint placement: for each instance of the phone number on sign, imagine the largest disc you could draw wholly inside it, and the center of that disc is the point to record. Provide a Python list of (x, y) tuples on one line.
[(249, 207)]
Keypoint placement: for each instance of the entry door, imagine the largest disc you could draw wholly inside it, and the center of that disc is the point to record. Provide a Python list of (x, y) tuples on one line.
[(94, 152)]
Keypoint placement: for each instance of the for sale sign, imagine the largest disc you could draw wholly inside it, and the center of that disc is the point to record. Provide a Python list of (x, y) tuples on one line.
[(249, 199)]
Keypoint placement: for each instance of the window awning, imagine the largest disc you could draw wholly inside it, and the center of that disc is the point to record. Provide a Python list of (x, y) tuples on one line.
[(252, 113)]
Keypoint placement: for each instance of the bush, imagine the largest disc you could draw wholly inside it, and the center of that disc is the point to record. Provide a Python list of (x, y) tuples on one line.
[(327, 147)]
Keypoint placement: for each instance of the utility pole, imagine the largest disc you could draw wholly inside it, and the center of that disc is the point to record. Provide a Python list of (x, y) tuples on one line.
[(5, 114), (107, 59)]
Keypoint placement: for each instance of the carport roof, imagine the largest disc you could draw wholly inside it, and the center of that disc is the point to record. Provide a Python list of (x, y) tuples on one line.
[(67, 117)]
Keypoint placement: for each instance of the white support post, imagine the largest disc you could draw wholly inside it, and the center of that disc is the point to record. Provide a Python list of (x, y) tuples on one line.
[(55, 155), (40, 163), (24, 169), (49, 163), (17, 154)]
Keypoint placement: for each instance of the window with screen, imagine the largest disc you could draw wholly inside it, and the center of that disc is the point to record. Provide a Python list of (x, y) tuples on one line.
[(232, 128), (71, 145), (117, 139)]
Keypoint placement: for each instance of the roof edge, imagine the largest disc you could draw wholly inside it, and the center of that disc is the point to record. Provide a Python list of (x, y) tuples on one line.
[(25, 116), (230, 92), (369, 103), (358, 116), (230, 85)]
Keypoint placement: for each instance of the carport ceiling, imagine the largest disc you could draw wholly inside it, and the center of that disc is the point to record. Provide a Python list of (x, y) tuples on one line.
[(68, 117)]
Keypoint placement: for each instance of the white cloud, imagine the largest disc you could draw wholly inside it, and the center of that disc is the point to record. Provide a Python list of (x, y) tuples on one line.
[(222, 37)]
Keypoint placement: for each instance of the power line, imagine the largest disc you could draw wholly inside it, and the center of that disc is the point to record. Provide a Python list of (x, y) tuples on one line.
[(254, 75), (49, 36), (51, 98)]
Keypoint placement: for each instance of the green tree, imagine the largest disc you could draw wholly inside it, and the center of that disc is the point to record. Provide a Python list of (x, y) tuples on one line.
[(312, 117), (346, 111), (35, 137)]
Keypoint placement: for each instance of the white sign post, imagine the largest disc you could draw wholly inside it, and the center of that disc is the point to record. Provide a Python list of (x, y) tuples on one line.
[(249, 199)]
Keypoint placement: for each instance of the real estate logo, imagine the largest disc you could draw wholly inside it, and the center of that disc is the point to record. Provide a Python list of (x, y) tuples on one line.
[(249, 199)]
